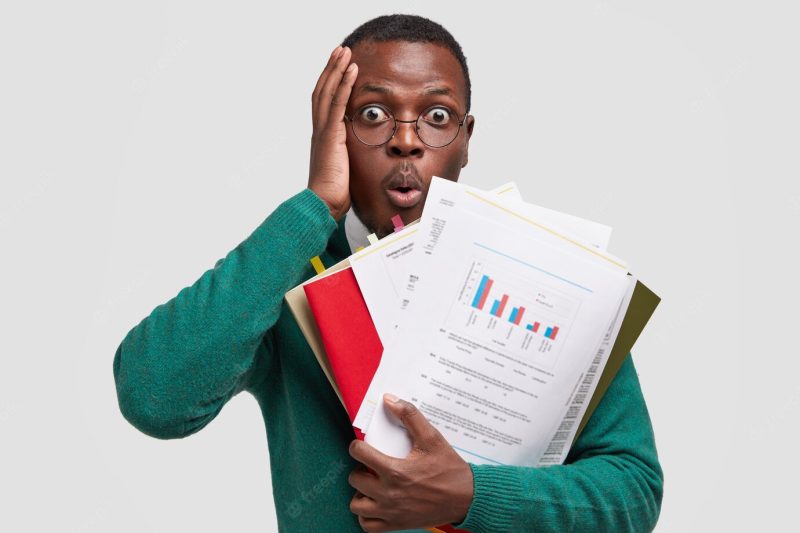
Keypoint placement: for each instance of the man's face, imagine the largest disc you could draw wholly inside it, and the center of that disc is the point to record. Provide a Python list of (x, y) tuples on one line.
[(394, 178)]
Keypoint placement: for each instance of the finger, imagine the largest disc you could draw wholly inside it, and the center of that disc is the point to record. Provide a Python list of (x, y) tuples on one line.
[(342, 94), (325, 71), (373, 525), (335, 78), (371, 457), (331, 83), (423, 435), (322, 78), (364, 506), (365, 483)]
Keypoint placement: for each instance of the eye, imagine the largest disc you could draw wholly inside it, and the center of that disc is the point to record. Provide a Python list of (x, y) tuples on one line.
[(373, 114), (439, 116)]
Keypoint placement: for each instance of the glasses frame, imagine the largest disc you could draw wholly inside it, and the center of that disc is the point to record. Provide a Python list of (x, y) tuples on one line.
[(396, 120)]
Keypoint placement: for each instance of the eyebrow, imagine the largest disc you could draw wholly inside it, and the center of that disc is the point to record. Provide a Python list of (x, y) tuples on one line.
[(372, 88)]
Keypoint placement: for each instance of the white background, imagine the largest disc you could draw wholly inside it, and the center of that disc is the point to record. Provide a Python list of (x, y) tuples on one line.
[(141, 142)]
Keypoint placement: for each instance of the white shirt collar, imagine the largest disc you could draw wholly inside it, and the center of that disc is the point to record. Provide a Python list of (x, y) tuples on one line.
[(355, 231)]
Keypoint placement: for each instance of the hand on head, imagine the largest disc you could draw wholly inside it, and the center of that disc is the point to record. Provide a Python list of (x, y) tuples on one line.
[(329, 172)]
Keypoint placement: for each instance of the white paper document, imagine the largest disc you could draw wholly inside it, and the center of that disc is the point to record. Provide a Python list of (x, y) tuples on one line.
[(383, 270), (585, 385), (390, 271), (499, 356)]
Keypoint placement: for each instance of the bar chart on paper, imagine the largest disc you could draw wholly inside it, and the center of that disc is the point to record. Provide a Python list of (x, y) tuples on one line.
[(522, 319)]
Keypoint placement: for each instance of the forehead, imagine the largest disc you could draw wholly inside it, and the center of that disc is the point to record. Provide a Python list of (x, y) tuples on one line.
[(407, 69)]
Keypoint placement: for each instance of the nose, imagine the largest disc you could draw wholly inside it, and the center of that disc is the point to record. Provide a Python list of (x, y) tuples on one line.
[(405, 141)]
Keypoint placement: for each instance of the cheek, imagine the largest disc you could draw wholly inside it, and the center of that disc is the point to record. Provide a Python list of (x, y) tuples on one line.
[(448, 167), (365, 177), (454, 167), (359, 165)]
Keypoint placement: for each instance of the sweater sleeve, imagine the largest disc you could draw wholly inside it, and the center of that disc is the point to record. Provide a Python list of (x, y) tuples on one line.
[(175, 370), (611, 481)]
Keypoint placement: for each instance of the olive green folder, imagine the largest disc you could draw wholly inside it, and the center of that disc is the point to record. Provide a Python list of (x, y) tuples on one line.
[(641, 307)]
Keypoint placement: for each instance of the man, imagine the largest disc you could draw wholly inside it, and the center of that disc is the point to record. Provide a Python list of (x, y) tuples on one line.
[(390, 110)]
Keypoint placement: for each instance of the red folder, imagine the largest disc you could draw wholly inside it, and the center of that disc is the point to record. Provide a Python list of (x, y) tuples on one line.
[(351, 341), (348, 334)]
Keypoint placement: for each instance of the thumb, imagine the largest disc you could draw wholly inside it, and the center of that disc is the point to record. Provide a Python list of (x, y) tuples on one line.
[(423, 435)]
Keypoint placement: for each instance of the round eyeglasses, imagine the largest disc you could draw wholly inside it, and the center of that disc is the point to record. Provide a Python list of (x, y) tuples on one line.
[(374, 125)]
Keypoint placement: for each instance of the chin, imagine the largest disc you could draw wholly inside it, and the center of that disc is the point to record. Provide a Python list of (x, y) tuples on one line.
[(415, 213)]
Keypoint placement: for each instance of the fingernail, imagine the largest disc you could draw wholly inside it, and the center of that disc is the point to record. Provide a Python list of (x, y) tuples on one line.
[(391, 397), (337, 51), (351, 67)]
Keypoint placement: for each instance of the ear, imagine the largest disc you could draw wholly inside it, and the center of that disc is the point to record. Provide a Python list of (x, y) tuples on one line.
[(469, 125)]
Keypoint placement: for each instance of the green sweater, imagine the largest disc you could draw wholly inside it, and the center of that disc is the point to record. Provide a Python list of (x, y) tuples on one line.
[(231, 331)]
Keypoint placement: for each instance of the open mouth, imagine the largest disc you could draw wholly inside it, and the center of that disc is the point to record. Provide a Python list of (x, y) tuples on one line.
[(404, 196), (404, 190)]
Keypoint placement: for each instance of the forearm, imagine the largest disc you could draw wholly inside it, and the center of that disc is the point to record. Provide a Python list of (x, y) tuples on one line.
[(598, 494), (175, 370), (612, 480)]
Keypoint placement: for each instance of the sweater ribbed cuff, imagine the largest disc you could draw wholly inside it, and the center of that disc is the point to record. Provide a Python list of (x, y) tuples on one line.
[(306, 220), (495, 501)]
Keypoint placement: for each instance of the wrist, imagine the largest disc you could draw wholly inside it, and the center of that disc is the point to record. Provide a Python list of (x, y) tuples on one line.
[(464, 492), (336, 212)]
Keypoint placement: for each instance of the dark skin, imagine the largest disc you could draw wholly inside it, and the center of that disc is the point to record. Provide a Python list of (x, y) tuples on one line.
[(433, 485), (344, 170)]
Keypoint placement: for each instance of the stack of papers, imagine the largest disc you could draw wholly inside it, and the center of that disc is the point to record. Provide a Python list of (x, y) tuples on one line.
[(502, 321)]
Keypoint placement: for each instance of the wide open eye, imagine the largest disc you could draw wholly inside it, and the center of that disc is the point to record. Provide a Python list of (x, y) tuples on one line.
[(438, 116), (373, 114)]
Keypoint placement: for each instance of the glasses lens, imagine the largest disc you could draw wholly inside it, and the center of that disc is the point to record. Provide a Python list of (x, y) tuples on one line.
[(437, 126), (373, 124)]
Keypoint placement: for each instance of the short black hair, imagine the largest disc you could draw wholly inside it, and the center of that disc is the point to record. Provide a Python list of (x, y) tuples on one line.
[(411, 28)]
